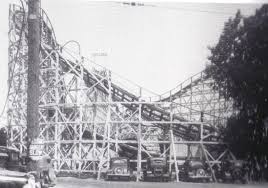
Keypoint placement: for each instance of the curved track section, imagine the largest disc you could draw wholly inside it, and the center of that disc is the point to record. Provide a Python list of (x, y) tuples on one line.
[(196, 100)]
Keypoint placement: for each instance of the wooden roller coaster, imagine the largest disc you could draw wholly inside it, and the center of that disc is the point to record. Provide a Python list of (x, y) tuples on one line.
[(87, 117)]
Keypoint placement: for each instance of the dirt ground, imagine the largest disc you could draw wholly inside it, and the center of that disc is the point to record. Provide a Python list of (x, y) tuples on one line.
[(90, 183)]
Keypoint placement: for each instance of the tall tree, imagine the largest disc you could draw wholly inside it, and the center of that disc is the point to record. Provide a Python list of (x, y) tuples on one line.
[(239, 66)]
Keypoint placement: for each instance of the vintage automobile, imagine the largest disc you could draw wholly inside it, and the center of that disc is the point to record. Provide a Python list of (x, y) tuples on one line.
[(232, 171), (195, 170), (119, 169), (156, 169), (17, 171)]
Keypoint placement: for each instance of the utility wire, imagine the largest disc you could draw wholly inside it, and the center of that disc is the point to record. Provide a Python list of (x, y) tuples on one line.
[(180, 9), (135, 4)]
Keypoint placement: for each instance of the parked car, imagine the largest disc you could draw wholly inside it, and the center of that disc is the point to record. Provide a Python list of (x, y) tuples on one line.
[(195, 170), (156, 169), (119, 169), (15, 173), (232, 171)]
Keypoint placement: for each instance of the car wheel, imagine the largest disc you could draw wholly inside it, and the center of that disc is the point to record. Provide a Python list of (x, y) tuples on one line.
[(244, 180), (118, 170), (200, 172), (236, 175)]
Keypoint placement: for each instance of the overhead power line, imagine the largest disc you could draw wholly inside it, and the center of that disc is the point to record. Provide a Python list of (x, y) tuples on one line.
[(135, 4)]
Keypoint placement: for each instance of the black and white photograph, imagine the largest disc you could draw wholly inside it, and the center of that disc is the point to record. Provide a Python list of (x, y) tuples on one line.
[(133, 94)]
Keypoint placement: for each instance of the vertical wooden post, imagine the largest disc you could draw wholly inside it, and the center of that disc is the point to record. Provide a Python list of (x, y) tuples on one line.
[(170, 156), (106, 135), (109, 119), (201, 132), (170, 146), (139, 137), (173, 141), (164, 145), (33, 71), (207, 159), (57, 124), (116, 138), (94, 131), (174, 155), (170, 153), (204, 151), (80, 102), (191, 99)]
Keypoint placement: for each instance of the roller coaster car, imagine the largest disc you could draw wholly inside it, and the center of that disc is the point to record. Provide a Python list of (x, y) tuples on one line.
[(156, 169), (232, 171), (119, 169), (195, 170), (14, 172)]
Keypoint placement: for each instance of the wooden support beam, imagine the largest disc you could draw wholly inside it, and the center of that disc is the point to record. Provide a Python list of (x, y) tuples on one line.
[(174, 155), (139, 137)]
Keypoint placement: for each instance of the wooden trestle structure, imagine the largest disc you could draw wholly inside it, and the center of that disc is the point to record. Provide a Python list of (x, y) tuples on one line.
[(86, 115)]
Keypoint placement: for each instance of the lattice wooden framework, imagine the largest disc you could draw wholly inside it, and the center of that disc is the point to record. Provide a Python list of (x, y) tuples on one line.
[(196, 100), (86, 116)]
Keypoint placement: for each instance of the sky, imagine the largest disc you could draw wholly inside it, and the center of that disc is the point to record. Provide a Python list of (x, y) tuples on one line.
[(156, 46)]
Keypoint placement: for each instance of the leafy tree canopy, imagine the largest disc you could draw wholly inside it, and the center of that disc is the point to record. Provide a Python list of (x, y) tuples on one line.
[(239, 66)]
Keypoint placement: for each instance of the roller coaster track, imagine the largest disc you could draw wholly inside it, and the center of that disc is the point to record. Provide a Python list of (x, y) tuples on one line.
[(183, 87), (149, 111), (196, 97)]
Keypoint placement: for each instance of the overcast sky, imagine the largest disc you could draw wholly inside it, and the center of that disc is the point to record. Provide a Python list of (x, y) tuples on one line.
[(157, 46)]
